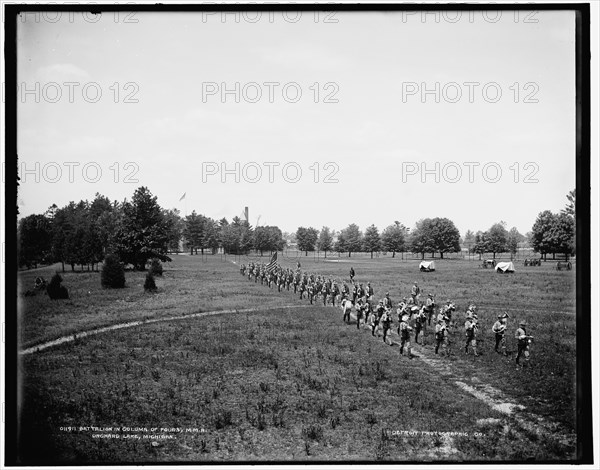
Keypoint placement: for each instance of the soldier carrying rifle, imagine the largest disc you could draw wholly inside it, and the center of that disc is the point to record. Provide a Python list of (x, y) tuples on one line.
[(499, 330), (524, 340)]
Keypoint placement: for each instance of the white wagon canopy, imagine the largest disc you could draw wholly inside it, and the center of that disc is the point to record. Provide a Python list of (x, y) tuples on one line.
[(427, 266), (506, 267)]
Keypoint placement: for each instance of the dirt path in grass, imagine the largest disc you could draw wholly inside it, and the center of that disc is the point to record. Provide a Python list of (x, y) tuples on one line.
[(517, 418), (527, 423), (96, 331)]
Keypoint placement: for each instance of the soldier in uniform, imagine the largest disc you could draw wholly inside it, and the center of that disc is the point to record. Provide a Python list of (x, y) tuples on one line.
[(386, 323), (311, 292), (324, 292), (420, 321), (441, 336), (405, 330), (523, 340), (429, 307), (359, 312), (471, 334), (415, 292), (387, 301), (346, 308), (369, 292), (334, 293), (361, 292), (352, 274), (499, 330), (354, 293), (376, 316)]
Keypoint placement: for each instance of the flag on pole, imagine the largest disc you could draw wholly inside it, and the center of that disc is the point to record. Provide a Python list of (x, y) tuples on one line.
[(182, 197), (272, 264)]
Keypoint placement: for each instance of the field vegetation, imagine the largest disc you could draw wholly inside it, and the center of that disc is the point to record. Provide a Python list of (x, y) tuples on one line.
[(290, 383)]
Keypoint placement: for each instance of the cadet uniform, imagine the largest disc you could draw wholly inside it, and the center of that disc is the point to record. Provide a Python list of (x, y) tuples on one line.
[(420, 324), (523, 342), (369, 291), (430, 307), (441, 336), (415, 292), (346, 308), (359, 312), (499, 330), (376, 316), (386, 323), (405, 330), (470, 333)]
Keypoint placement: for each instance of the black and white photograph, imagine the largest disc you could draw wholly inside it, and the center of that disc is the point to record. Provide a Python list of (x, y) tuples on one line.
[(300, 234)]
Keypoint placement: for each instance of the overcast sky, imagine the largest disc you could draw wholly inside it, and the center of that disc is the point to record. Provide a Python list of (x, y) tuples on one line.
[(370, 132)]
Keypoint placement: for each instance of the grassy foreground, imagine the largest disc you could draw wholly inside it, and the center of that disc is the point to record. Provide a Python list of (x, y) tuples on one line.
[(285, 384)]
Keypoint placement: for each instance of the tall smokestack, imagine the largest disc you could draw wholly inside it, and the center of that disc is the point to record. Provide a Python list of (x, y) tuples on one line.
[(246, 214)]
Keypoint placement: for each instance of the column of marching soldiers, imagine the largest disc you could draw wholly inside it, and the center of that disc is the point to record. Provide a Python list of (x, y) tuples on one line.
[(412, 314)]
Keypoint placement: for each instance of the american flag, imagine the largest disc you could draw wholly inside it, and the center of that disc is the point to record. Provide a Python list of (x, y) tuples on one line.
[(272, 264)]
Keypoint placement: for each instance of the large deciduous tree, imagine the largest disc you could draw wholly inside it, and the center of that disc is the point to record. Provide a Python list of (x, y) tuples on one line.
[(351, 238), (35, 237), (325, 241), (437, 235), (371, 240), (497, 236), (540, 233), (394, 238), (306, 239)]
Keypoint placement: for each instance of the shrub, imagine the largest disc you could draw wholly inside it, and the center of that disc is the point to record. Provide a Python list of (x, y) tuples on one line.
[(149, 284), (156, 267), (113, 274), (55, 290)]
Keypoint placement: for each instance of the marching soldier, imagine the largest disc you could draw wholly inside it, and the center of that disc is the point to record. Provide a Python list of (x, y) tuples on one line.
[(334, 293), (386, 323), (368, 310), (359, 312), (360, 292), (387, 301), (405, 330), (324, 294), (470, 333), (352, 274), (354, 293), (441, 336), (376, 316), (415, 292), (470, 310), (311, 292), (524, 340), (346, 308), (420, 324), (369, 292), (430, 307), (499, 330)]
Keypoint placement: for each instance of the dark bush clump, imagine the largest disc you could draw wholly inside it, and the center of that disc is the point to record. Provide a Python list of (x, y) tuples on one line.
[(113, 274), (149, 284), (156, 267), (55, 290)]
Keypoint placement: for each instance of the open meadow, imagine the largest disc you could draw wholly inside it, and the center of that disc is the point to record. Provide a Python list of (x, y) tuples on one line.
[(280, 380)]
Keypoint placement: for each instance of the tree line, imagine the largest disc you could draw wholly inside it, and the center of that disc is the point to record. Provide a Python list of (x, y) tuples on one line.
[(83, 233)]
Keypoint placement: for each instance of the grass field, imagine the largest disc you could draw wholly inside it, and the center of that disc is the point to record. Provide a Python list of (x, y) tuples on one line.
[(292, 384)]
